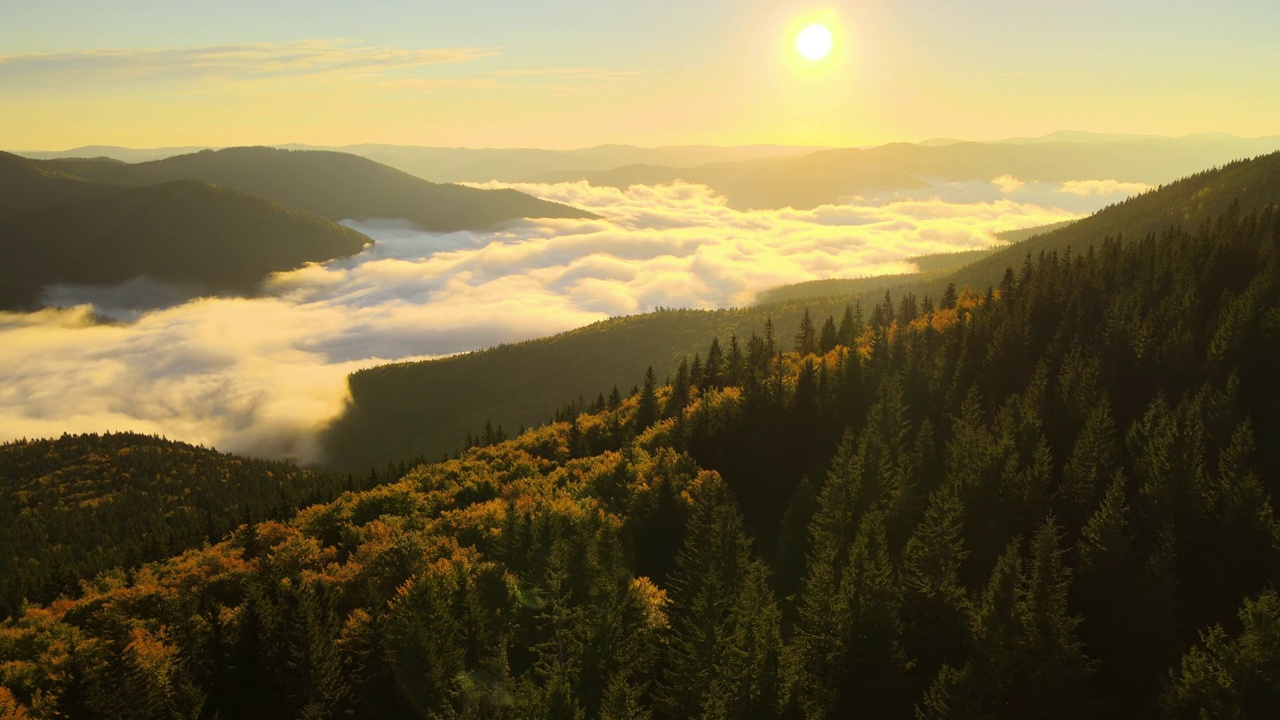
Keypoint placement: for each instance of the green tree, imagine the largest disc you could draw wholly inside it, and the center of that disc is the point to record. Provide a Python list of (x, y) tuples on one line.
[(722, 657), (806, 340), (647, 407), (1233, 678)]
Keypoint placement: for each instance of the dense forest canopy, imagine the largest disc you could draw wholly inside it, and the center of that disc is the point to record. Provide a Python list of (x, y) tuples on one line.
[(1050, 498), (76, 506)]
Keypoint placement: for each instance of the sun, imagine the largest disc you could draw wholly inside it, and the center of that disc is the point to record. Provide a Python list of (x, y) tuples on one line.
[(814, 42)]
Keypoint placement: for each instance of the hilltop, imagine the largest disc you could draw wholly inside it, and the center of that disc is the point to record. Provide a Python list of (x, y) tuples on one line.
[(187, 233), (75, 506), (26, 186), (334, 185)]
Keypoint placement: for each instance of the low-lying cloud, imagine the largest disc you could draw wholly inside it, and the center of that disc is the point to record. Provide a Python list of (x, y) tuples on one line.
[(261, 375), (1086, 188)]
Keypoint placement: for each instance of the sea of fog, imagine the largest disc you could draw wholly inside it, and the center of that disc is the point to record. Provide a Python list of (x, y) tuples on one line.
[(262, 375)]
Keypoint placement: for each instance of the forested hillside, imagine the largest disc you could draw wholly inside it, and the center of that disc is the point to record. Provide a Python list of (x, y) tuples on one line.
[(426, 407), (26, 186), (186, 233), (1053, 499), (213, 221), (75, 506), (338, 186)]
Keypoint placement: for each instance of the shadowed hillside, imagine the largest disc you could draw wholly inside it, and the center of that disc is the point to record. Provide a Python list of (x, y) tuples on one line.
[(335, 185), (26, 186), (186, 233)]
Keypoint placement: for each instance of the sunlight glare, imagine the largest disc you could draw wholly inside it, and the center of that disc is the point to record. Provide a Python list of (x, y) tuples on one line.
[(814, 42)]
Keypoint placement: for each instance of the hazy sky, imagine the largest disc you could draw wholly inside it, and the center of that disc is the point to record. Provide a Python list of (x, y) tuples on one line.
[(572, 73)]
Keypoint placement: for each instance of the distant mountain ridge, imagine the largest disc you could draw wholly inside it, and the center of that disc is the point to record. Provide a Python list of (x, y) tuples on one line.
[(777, 176), (214, 220), (335, 185), (188, 233), (26, 186), (832, 176)]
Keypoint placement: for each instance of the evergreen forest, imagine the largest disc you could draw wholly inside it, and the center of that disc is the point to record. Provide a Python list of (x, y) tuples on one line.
[(1049, 496)]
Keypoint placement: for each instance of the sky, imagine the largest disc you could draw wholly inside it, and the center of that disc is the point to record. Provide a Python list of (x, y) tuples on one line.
[(576, 73)]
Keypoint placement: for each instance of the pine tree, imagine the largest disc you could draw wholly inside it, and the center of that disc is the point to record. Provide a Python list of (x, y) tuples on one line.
[(1094, 460), (723, 650), (1054, 666), (680, 387), (850, 326), (827, 340), (935, 599), (949, 298), (908, 310), (1225, 677), (806, 340), (734, 368), (713, 370), (647, 408)]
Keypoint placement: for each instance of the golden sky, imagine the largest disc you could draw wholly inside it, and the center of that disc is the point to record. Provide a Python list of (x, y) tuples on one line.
[(572, 73)]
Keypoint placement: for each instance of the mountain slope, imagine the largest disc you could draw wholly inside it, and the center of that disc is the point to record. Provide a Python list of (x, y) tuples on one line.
[(75, 506), (338, 186), (1186, 203), (26, 186), (525, 383), (181, 232)]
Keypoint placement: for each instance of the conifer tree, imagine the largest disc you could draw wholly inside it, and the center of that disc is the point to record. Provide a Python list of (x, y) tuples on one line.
[(647, 408), (949, 298), (806, 340), (827, 340), (723, 650), (713, 370), (734, 366), (1231, 677)]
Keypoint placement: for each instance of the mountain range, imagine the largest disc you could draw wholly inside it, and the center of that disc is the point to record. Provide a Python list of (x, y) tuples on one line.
[(214, 221), (773, 176)]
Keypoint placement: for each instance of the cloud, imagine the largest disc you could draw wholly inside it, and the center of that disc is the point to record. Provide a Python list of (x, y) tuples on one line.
[(437, 83), (261, 375), (1008, 184), (1088, 188), (237, 62), (578, 72), (1078, 196)]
